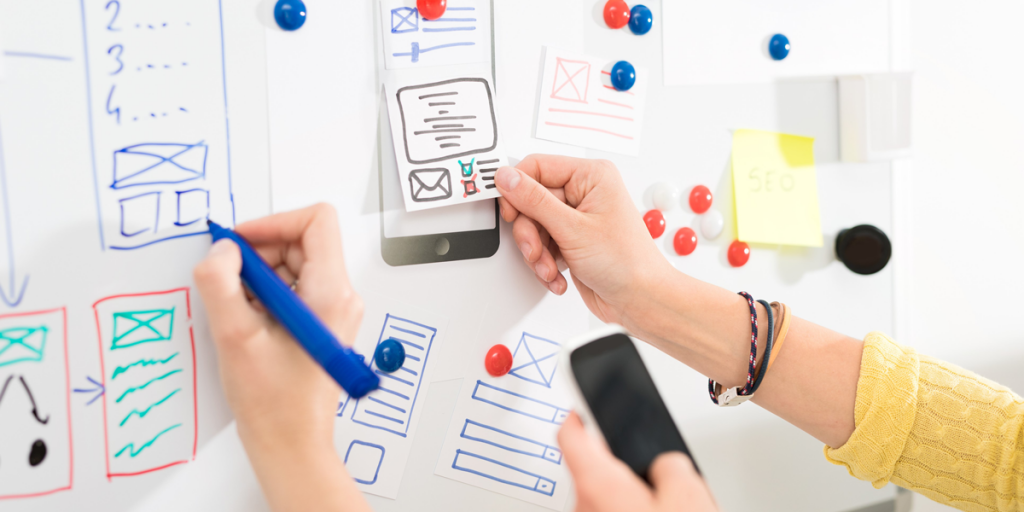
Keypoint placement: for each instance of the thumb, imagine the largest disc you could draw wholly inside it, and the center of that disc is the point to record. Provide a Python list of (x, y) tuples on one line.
[(219, 283), (675, 480), (536, 202)]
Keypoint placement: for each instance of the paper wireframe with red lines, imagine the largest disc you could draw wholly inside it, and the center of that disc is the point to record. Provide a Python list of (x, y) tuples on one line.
[(579, 106)]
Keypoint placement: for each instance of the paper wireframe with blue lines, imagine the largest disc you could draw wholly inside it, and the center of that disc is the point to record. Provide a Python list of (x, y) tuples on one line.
[(374, 434), (460, 36)]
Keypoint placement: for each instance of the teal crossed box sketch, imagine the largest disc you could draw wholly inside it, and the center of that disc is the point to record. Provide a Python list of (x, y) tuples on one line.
[(133, 328), (22, 344)]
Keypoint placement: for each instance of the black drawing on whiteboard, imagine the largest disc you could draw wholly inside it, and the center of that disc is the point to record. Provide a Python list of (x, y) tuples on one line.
[(470, 103)]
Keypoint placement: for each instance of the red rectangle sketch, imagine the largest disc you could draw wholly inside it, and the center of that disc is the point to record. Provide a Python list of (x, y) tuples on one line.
[(572, 79), (147, 356), (35, 404)]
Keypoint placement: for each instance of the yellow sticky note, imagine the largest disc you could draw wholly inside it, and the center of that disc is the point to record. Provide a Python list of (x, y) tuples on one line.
[(775, 187)]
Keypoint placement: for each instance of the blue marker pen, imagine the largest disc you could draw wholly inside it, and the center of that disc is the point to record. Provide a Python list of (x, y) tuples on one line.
[(341, 363)]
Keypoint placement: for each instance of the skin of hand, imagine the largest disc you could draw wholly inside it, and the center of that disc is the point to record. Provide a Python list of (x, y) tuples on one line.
[(283, 401), (606, 484), (577, 211)]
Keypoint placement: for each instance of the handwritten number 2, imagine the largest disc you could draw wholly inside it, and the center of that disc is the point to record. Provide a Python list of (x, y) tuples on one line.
[(115, 111), (117, 10), (119, 49)]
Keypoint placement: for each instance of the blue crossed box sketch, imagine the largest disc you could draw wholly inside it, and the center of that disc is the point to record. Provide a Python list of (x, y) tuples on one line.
[(535, 359), (390, 407), (502, 472), (515, 443), (404, 19), (161, 192), (519, 403)]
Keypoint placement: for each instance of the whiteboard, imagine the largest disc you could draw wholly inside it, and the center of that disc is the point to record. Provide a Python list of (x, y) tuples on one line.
[(124, 124)]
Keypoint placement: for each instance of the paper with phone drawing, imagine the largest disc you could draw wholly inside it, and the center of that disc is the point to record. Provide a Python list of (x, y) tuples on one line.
[(445, 136), (373, 435), (502, 436), (460, 36), (776, 188), (579, 106)]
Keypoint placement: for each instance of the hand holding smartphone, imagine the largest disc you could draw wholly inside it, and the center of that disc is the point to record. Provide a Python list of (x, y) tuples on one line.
[(615, 394)]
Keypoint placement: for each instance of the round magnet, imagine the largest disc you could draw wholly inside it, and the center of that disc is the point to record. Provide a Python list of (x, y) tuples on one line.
[(498, 360), (778, 47), (431, 9), (655, 222), (700, 199), (664, 196), (290, 14), (623, 76), (864, 249), (711, 224), (685, 241), (640, 19), (616, 14), (389, 356), (739, 253)]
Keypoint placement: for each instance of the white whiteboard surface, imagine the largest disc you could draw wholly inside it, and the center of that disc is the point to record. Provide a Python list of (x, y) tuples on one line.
[(727, 42)]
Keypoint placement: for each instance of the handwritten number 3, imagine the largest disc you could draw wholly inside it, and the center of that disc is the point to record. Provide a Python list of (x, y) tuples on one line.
[(120, 50), (117, 10)]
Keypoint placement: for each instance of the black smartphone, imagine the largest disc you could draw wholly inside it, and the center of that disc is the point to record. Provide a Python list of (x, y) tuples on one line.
[(617, 394)]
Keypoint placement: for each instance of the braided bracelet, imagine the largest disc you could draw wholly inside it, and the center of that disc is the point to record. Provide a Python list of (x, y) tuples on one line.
[(763, 369), (737, 395)]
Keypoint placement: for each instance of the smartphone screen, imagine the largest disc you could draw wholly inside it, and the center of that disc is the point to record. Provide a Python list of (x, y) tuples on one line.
[(624, 402)]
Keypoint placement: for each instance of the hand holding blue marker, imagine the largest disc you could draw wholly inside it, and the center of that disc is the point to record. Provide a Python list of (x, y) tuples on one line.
[(341, 363)]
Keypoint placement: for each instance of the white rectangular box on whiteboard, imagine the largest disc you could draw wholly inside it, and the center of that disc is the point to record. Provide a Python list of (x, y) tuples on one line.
[(874, 116), (727, 42)]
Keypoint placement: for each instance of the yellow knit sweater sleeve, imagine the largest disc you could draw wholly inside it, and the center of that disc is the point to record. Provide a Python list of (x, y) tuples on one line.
[(937, 429)]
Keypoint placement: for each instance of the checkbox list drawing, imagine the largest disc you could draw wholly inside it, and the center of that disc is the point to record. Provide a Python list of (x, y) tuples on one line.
[(446, 140)]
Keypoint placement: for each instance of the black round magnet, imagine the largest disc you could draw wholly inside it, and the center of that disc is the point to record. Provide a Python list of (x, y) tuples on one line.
[(864, 249)]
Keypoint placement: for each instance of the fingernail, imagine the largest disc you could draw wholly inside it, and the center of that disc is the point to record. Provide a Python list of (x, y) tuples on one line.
[(220, 247), (542, 271), (526, 249), (507, 178)]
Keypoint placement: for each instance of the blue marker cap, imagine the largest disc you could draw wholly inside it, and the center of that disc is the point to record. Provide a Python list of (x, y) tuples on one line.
[(623, 76), (290, 14), (778, 47), (640, 19), (343, 364)]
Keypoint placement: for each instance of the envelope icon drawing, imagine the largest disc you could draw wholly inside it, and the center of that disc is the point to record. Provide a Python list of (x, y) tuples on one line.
[(21, 344), (158, 164), (404, 19), (572, 79), (430, 184), (535, 359), (137, 327)]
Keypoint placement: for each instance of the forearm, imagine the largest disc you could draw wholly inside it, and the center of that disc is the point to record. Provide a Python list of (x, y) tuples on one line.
[(813, 383)]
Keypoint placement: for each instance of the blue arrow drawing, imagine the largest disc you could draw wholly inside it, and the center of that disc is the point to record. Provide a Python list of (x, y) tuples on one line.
[(98, 389), (13, 295)]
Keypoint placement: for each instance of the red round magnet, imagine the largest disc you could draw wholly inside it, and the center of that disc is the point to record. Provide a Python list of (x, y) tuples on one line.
[(685, 241), (431, 9), (498, 361), (739, 253), (655, 223), (700, 199), (616, 14)]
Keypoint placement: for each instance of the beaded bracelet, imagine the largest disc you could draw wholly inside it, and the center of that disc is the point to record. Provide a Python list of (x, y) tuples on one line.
[(736, 396)]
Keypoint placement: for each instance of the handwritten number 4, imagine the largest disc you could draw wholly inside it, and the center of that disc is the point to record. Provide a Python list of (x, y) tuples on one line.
[(117, 10), (116, 111)]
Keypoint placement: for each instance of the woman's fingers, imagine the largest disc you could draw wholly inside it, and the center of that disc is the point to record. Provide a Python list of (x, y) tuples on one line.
[(232, 318)]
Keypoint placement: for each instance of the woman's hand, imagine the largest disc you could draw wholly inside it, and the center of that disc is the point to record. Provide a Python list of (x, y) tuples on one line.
[(579, 211), (605, 484), (283, 401)]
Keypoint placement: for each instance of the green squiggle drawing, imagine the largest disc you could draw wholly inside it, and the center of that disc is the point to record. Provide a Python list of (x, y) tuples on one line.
[(144, 362), (147, 409), (131, 446), (136, 388)]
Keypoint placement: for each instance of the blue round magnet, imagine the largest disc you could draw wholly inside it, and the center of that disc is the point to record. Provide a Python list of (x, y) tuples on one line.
[(778, 47), (623, 76), (290, 14), (389, 356), (640, 19)]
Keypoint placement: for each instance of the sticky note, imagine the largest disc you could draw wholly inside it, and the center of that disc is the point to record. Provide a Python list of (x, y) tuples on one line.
[(775, 188)]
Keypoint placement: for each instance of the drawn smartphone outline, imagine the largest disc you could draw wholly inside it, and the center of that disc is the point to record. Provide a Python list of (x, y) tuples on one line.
[(576, 355), (429, 247)]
